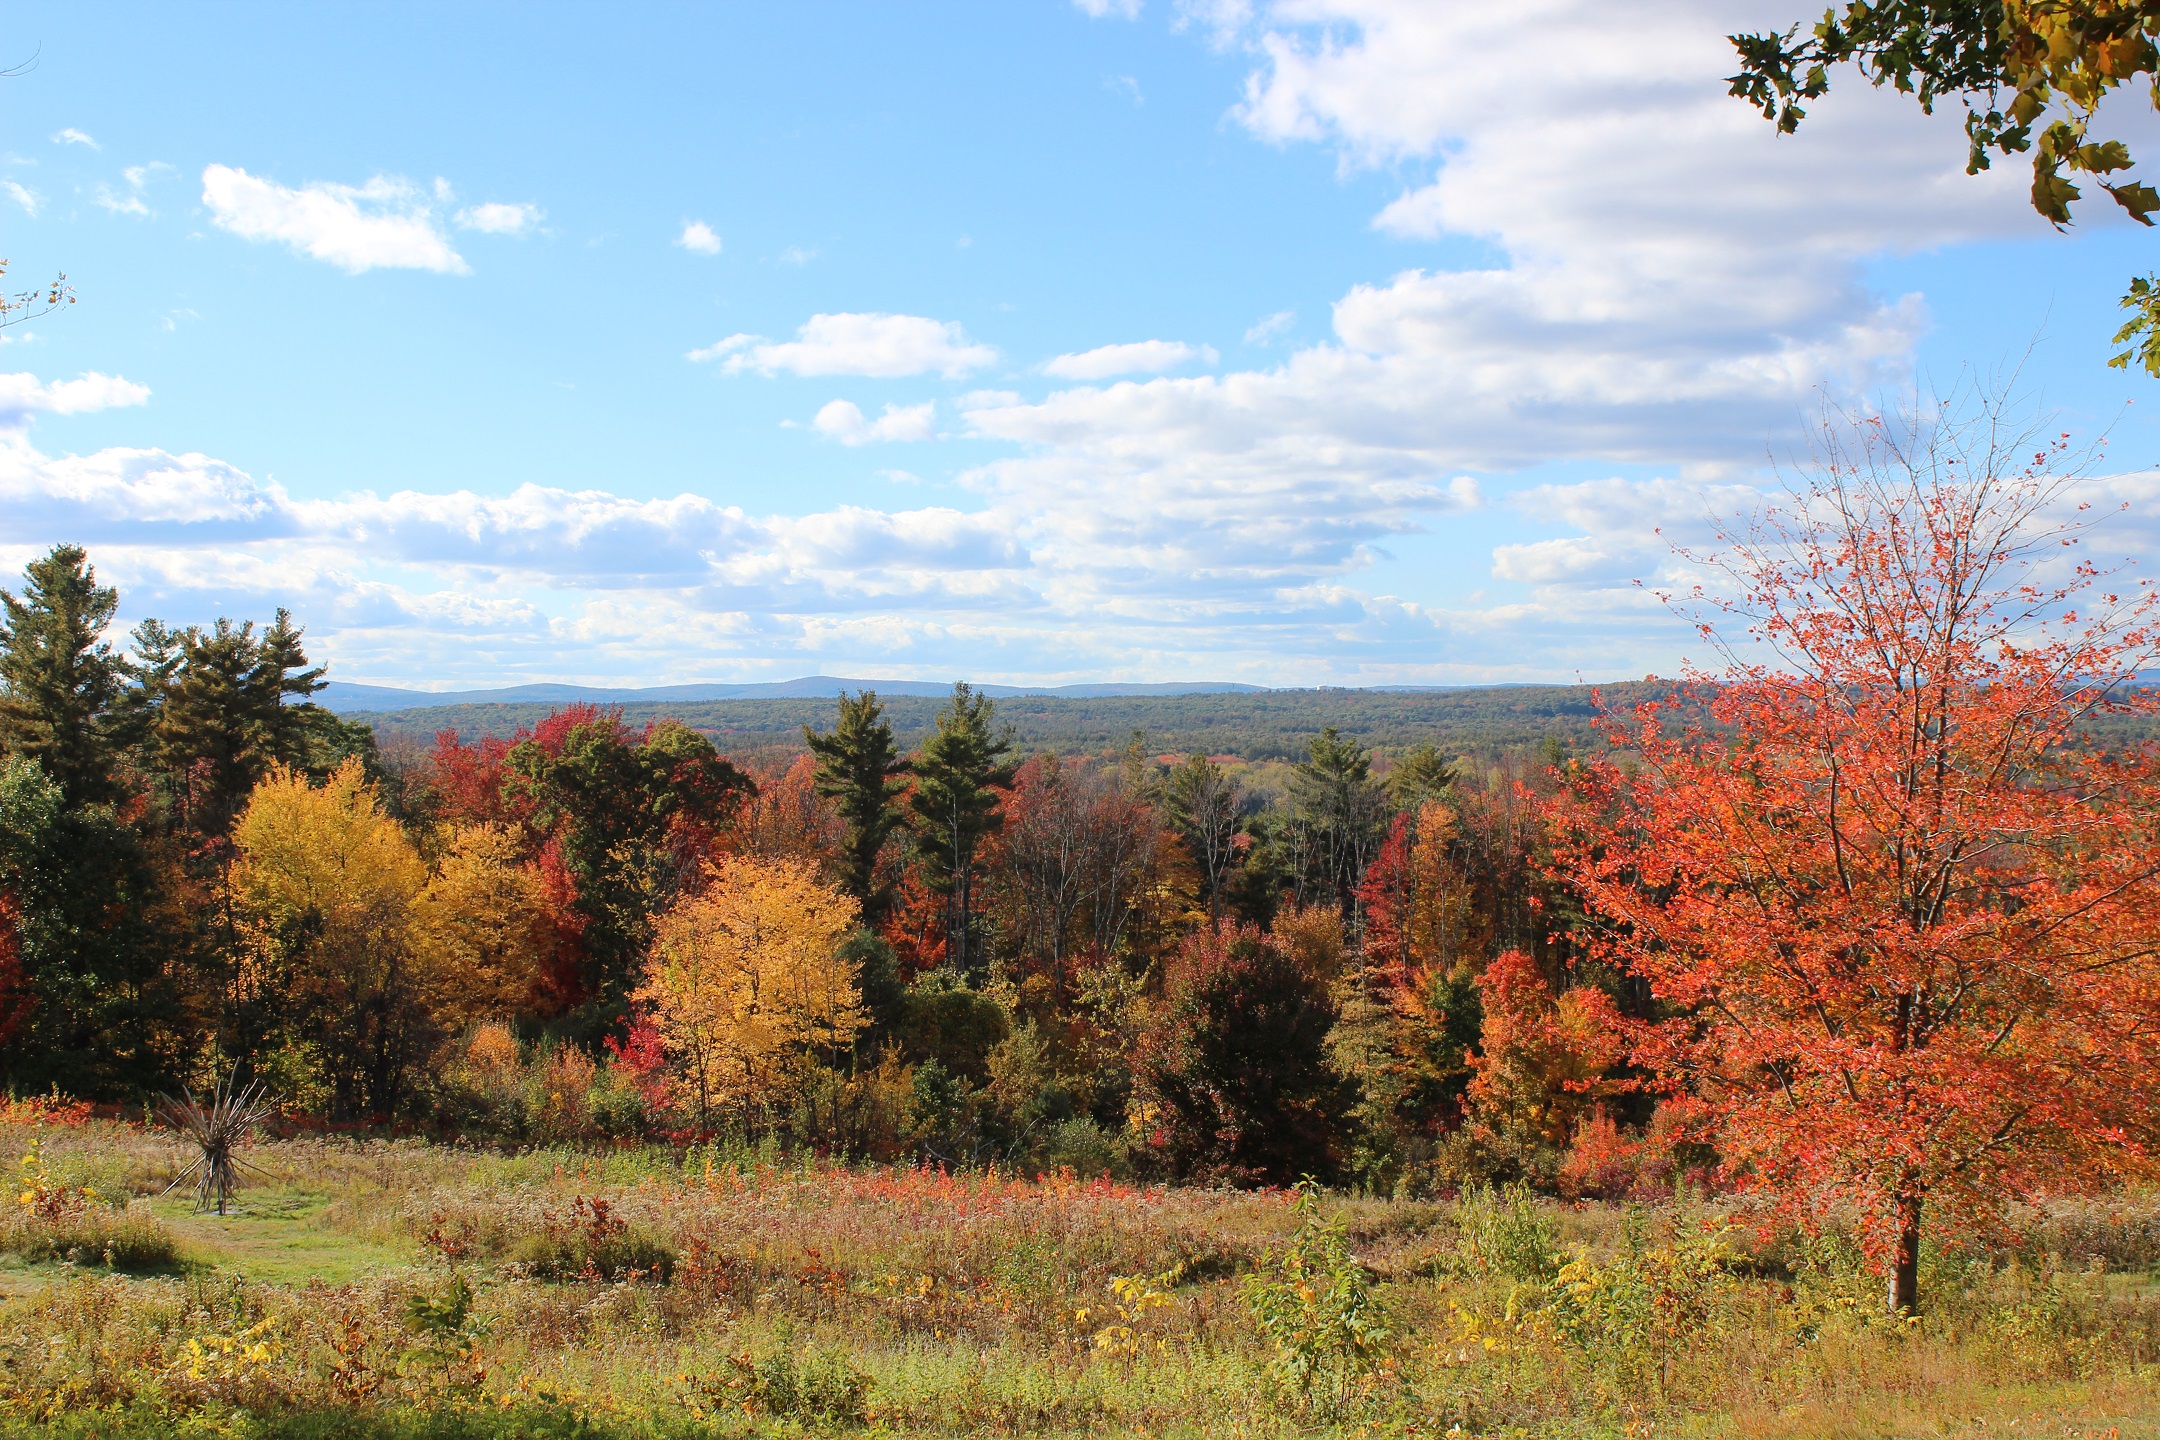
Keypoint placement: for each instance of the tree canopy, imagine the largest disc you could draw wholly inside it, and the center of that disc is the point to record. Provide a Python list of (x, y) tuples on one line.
[(2031, 74)]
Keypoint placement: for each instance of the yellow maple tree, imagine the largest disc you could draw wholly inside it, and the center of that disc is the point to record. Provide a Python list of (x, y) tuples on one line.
[(747, 982), (326, 883), (482, 930)]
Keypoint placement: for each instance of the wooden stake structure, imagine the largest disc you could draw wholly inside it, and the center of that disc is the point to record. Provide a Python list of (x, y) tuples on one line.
[(217, 1130)]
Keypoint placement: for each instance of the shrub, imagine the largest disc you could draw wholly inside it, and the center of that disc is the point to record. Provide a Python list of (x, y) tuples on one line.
[(946, 1022), (1232, 1080), (821, 1387), (592, 1243), (1316, 1306), (1503, 1233), (1633, 1312), (1080, 1146), (54, 1220)]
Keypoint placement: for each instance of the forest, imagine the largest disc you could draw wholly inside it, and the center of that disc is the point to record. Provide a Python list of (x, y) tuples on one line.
[(1269, 725), (915, 1076)]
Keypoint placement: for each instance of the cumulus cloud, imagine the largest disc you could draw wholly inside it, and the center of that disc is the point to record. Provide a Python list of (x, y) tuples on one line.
[(1142, 357), (72, 136), (844, 422), (23, 395), (1673, 282), (1109, 9), (475, 586), (1678, 283), (873, 345), (1268, 329), (29, 199), (699, 238), (1643, 211), (387, 223), (500, 218)]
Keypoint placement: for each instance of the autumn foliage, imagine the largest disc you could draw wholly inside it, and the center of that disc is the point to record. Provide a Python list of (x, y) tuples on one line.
[(1900, 919), (1862, 923), (747, 986)]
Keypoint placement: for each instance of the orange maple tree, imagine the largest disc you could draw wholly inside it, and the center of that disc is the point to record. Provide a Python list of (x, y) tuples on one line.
[(1895, 894)]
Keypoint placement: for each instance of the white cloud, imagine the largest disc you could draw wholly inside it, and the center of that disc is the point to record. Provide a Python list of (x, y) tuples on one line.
[(1109, 9), (499, 218), (138, 178), (385, 224), (720, 348), (1643, 211), (844, 422), (1268, 330), (24, 395), (699, 238), (1142, 357), (120, 204), (29, 199), (878, 346), (1677, 283), (797, 255), (474, 587), (72, 136), (1672, 282)]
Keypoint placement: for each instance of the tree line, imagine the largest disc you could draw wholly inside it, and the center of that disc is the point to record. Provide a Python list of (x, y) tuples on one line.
[(1863, 930)]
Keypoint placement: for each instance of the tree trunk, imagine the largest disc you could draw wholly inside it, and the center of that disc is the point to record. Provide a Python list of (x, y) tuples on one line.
[(1905, 1260)]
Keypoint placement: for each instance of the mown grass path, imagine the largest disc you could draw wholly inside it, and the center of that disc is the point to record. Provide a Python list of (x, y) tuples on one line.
[(276, 1237)]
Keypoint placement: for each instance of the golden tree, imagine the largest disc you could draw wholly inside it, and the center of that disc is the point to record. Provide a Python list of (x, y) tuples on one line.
[(484, 933), (747, 983), (327, 882)]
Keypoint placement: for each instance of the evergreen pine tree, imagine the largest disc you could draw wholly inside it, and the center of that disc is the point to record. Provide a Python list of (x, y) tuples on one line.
[(1342, 811), (957, 777), (857, 766), (58, 680), (221, 718)]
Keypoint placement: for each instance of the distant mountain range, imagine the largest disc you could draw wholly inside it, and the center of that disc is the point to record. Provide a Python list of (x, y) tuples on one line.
[(347, 697)]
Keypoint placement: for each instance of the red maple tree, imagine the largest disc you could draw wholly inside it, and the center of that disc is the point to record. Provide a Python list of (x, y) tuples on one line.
[(1894, 888)]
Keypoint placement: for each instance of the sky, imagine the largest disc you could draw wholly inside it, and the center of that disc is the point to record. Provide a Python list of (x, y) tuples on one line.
[(1293, 342)]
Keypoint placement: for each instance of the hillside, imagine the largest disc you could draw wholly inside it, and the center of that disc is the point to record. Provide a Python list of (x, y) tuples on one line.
[(1273, 724)]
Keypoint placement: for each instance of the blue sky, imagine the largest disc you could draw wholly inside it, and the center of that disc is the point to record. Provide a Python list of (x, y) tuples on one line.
[(1335, 341)]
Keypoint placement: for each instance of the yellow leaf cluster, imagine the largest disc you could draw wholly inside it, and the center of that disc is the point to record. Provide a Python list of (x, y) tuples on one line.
[(335, 899), (481, 929), (746, 979), (326, 857)]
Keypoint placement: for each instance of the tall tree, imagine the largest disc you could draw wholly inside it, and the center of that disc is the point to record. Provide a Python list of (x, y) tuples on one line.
[(1423, 774), (750, 978), (1905, 907), (629, 818), (2017, 65), (1076, 850), (97, 1003), (1206, 804), (329, 883), (217, 709), (957, 778), (58, 677), (859, 766), (1342, 812)]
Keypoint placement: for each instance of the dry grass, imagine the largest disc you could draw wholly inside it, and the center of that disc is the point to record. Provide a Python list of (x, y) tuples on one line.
[(528, 1292)]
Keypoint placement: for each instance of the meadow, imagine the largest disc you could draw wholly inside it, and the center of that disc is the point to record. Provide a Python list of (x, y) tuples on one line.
[(396, 1287)]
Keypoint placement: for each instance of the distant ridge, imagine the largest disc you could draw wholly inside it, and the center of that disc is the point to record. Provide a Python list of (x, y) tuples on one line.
[(346, 696)]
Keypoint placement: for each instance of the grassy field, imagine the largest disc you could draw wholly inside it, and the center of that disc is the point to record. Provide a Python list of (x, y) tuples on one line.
[(402, 1289)]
